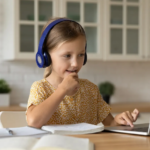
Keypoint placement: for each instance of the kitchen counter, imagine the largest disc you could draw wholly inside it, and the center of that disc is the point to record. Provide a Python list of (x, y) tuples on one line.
[(116, 108), (12, 108), (121, 107)]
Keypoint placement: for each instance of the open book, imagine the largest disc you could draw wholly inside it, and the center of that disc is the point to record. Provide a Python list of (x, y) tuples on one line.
[(22, 131), (47, 142), (79, 128)]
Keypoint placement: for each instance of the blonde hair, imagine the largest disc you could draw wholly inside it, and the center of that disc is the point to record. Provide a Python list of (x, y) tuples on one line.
[(63, 31)]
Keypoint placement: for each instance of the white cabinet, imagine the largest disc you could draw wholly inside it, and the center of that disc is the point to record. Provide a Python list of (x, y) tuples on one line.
[(115, 29), (23, 20), (88, 14), (124, 30), (146, 27)]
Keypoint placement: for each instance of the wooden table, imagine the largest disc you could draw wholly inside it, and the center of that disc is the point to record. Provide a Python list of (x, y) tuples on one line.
[(12, 108), (118, 141), (116, 108), (108, 140), (121, 107)]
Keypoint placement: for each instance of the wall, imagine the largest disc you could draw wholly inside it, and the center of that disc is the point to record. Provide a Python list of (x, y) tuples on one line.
[(131, 79)]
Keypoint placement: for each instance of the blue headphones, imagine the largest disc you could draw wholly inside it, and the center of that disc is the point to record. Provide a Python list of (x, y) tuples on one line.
[(42, 56)]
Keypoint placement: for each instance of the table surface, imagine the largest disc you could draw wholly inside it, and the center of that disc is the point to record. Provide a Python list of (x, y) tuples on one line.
[(108, 140), (118, 141), (121, 107), (12, 108), (116, 108)]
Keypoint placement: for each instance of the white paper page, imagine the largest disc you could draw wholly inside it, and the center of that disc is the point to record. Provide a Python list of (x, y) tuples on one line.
[(51, 148), (65, 142), (22, 131), (3, 132), (71, 127), (23, 143)]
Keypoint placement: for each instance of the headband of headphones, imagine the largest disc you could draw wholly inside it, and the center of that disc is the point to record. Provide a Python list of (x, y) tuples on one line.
[(42, 57)]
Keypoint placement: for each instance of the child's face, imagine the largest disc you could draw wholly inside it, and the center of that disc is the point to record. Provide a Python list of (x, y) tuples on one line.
[(68, 57)]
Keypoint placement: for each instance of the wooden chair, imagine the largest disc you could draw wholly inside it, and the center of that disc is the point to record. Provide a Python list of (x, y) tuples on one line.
[(11, 119)]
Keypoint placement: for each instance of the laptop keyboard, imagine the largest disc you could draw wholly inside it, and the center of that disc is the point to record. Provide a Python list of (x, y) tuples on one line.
[(143, 129)]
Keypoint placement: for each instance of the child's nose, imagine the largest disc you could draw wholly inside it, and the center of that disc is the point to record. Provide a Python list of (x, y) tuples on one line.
[(74, 62)]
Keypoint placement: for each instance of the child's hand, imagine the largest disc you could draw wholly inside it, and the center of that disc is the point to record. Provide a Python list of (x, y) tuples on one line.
[(127, 118), (70, 84)]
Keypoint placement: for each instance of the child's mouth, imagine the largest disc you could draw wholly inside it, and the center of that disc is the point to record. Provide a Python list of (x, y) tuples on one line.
[(71, 71)]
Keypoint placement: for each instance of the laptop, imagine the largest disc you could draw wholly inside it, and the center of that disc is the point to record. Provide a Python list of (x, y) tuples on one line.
[(140, 129)]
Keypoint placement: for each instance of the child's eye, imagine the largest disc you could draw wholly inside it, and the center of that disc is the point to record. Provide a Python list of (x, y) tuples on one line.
[(81, 55), (67, 56)]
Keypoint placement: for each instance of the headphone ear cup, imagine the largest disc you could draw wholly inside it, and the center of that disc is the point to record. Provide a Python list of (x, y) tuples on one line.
[(85, 59), (47, 59)]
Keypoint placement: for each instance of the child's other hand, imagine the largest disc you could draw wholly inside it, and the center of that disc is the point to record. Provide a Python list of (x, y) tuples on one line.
[(70, 84), (127, 118)]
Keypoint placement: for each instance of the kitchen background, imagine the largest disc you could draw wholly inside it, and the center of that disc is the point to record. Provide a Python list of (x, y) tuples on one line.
[(131, 78)]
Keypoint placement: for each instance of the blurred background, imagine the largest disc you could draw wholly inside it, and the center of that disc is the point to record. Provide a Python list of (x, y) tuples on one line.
[(118, 47)]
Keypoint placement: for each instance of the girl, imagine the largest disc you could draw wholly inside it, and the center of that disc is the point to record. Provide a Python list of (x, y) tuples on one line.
[(61, 97)]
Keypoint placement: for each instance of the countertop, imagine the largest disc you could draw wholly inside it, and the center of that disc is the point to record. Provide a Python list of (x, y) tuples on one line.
[(116, 108)]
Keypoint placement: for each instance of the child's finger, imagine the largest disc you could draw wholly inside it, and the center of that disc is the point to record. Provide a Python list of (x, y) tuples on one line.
[(135, 114), (123, 122), (130, 116), (126, 118), (74, 74)]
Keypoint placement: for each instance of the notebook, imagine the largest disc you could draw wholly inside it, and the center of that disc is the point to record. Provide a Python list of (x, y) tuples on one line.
[(140, 129), (79, 128), (47, 142), (23, 131)]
